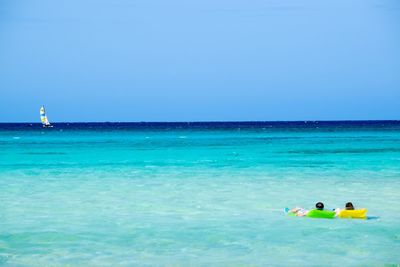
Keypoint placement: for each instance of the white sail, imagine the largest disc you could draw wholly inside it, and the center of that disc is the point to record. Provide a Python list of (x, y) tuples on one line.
[(43, 117)]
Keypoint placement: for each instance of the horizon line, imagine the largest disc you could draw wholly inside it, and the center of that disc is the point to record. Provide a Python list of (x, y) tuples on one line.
[(212, 121)]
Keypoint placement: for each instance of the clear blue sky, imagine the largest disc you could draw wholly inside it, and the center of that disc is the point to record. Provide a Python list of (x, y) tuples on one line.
[(199, 60)]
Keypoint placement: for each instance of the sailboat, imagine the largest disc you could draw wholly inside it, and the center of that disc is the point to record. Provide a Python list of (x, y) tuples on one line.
[(43, 118)]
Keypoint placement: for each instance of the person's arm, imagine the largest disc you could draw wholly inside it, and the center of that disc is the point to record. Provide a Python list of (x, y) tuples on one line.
[(302, 212), (294, 210), (337, 211)]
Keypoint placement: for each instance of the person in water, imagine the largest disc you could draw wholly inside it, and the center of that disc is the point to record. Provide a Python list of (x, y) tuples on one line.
[(348, 206), (303, 212), (319, 206)]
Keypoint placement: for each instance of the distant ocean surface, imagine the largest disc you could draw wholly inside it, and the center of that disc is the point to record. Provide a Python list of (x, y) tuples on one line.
[(198, 194)]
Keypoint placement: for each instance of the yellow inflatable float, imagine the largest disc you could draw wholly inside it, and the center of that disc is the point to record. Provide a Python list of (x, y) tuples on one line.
[(353, 214)]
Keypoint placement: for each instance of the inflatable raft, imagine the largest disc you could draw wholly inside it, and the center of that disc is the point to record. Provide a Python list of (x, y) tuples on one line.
[(327, 214), (324, 214), (353, 214)]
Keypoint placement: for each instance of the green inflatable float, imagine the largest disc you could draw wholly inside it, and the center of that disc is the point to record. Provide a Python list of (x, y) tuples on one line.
[(325, 214)]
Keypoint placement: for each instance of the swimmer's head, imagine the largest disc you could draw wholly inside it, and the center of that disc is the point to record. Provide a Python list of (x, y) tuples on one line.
[(349, 206), (319, 206)]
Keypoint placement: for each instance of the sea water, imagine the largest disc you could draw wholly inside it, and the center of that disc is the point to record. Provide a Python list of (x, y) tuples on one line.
[(198, 194)]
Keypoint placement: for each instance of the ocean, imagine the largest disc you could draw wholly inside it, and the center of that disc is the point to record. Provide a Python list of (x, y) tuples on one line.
[(198, 194)]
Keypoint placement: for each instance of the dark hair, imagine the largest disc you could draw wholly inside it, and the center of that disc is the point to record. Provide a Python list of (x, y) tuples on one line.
[(349, 206), (319, 206)]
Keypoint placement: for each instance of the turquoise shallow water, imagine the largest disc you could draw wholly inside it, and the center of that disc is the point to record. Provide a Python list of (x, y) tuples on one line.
[(179, 195)]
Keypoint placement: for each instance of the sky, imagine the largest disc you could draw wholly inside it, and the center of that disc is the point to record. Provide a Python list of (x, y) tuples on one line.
[(199, 60)]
